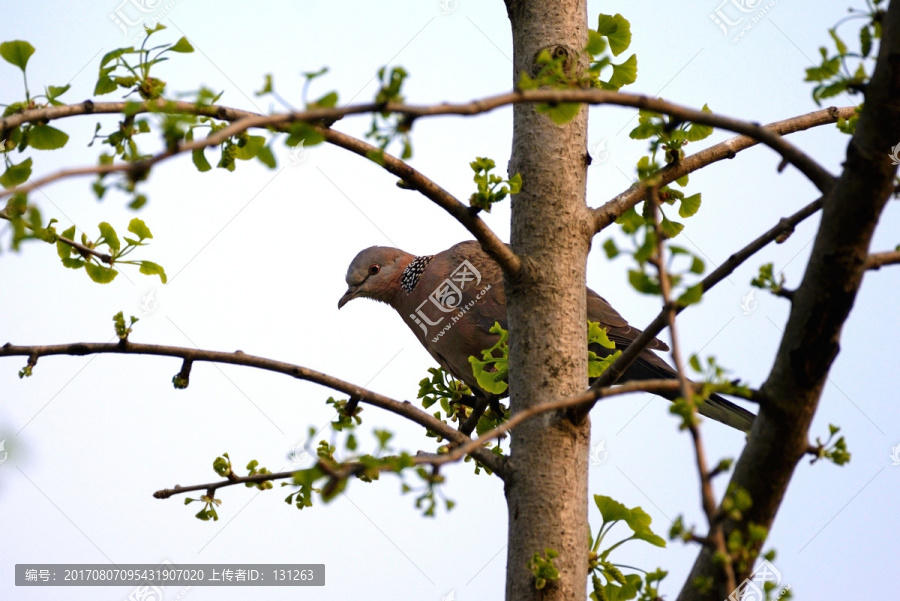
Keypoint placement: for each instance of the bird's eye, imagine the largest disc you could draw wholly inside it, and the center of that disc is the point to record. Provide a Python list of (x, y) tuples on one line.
[(374, 268)]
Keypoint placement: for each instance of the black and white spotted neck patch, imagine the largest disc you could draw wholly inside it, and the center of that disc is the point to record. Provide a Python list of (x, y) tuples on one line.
[(413, 272)]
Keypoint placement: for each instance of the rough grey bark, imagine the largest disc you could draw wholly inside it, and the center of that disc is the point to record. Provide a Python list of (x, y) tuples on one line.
[(546, 487), (820, 306)]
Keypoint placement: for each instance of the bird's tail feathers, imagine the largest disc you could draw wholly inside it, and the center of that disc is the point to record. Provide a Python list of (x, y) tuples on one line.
[(650, 366)]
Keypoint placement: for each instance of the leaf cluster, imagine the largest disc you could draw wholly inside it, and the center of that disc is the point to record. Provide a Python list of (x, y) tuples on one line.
[(39, 136), (834, 450), (669, 134), (597, 364), (442, 388), (768, 280), (542, 567), (613, 32), (639, 223), (557, 69), (208, 512), (27, 223), (641, 230), (456, 403), (715, 380), (386, 126), (109, 242), (129, 68), (123, 329), (834, 75), (329, 476), (491, 187), (492, 370), (609, 582)]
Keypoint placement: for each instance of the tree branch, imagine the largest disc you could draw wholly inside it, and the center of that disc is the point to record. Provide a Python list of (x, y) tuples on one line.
[(879, 260), (467, 216), (465, 445), (615, 207), (89, 107), (242, 121), (588, 397), (815, 172), (403, 409), (137, 168)]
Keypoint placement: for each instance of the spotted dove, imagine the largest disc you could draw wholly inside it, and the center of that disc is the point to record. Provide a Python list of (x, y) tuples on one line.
[(450, 301)]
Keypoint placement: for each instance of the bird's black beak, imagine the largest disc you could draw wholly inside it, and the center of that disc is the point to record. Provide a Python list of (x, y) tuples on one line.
[(351, 293)]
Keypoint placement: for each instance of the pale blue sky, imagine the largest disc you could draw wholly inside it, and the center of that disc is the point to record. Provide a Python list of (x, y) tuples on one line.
[(256, 261)]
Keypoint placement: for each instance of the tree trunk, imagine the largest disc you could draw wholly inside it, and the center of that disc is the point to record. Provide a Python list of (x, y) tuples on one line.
[(546, 489), (820, 306)]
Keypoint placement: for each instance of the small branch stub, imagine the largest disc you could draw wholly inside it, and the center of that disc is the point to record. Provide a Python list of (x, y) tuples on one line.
[(183, 377)]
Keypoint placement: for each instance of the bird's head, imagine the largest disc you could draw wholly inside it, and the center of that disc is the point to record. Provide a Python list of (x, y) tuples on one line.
[(375, 273)]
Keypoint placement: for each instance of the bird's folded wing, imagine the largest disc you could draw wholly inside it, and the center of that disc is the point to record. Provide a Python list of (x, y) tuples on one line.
[(617, 328), (487, 298), (491, 307)]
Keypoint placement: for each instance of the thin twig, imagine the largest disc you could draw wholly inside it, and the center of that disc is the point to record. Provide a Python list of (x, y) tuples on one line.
[(615, 207), (138, 167), (468, 426), (211, 487), (84, 250), (588, 397), (707, 495), (350, 468)]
